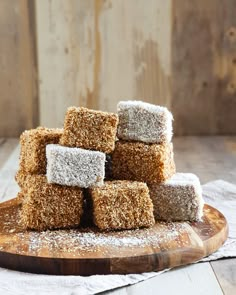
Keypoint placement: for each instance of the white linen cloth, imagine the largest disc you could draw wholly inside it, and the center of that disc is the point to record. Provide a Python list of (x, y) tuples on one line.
[(220, 194)]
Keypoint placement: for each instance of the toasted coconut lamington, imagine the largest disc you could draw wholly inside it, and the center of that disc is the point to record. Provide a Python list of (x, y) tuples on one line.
[(144, 122), (151, 163), (178, 199), (75, 166), (89, 129), (50, 206), (33, 148), (122, 205)]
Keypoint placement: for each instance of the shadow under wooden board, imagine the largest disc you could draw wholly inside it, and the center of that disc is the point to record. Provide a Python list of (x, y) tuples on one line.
[(88, 252)]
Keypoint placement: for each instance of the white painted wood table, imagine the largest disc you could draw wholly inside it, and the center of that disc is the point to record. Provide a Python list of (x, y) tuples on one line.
[(210, 158)]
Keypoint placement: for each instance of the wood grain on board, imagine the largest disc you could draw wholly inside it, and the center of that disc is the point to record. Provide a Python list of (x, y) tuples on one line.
[(190, 155), (18, 87), (219, 152), (23, 250)]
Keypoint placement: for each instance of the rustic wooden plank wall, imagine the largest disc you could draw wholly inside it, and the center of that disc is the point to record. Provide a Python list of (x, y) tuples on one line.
[(95, 52), (204, 66), (101, 52), (18, 87)]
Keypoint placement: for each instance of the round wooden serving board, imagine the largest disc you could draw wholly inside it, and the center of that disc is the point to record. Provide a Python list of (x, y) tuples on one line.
[(79, 252)]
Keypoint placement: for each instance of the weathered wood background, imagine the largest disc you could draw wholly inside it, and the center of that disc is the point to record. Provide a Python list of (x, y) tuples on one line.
[(178, 53)]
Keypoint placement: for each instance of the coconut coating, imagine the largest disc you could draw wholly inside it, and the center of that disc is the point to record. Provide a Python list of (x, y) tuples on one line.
[(141, 121), (74, 166), (178, 199), (50, 206), (122, 205), (89, 129), (150, 163), (33, 148)]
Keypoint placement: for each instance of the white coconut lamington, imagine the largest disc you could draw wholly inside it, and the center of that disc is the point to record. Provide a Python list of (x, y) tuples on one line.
[(74, 166), (178, 199), (140, 121)]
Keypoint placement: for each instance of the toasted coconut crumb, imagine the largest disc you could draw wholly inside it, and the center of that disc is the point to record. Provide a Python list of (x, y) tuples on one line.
[(150, 163), (89, 129), (122, 205), (33, 148), (50, 206), (20, 177)]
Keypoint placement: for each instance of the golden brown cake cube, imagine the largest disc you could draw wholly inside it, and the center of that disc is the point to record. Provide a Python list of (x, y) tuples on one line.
[(89, 129), (50, 206), (122, 205), (33, 149), (151, 163)]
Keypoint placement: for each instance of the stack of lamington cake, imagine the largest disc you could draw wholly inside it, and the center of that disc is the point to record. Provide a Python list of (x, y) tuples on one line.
[(82, 172)]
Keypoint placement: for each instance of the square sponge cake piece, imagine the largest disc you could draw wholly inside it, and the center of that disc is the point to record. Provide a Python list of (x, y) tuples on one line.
[(50, 206), (122, 205), (89, 129), (150, 163), (178, 199), (74, 166), (145, 122), (33, 149)]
